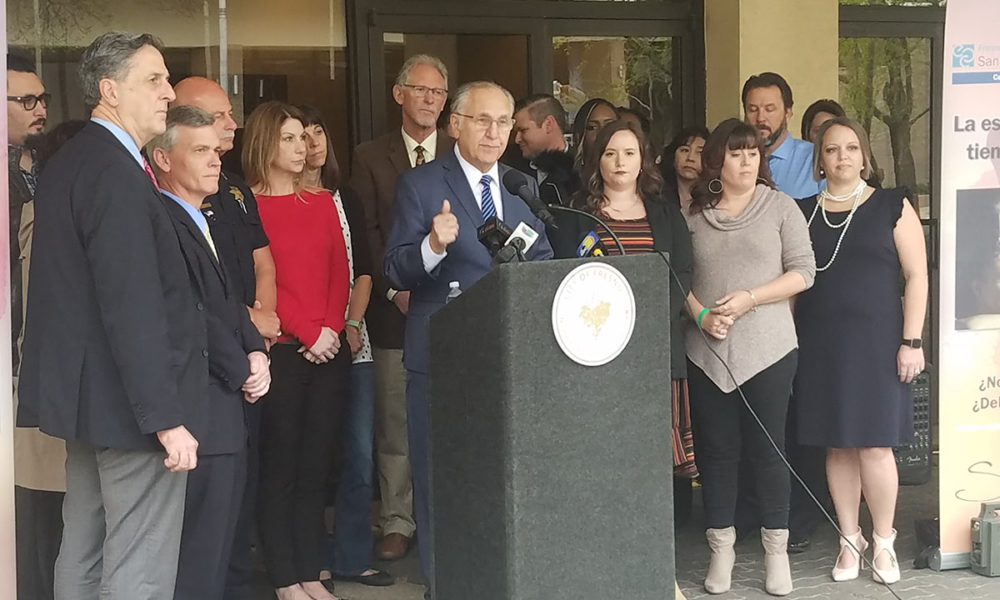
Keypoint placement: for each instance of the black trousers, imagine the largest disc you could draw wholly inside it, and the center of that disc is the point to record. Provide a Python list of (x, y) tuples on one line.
[(725, 431), (38, 524), (211, 508), (298, 436), (239, 579)]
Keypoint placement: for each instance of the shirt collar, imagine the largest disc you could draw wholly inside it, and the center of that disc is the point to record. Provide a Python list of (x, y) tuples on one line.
[(123, 138), (474, 175), (785, 149), (429, 145), (195, 214)]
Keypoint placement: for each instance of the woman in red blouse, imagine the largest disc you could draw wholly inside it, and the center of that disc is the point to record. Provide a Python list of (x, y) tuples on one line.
[(310, 363)]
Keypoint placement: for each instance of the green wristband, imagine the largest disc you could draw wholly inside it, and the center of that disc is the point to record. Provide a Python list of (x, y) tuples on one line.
[(702, 314), (353, 323)]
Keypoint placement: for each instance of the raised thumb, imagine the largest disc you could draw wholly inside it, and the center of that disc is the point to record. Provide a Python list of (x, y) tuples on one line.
[(445, 207)]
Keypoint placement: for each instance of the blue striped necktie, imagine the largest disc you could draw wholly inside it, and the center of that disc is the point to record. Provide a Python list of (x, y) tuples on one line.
[(489, 209)]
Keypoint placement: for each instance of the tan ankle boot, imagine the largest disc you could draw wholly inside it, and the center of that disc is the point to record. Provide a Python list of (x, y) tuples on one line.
[(777, 572), (720, 567)]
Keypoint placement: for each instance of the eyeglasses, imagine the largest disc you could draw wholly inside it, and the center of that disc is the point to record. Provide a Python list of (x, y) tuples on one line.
[(483, 122), (31, 101), (421, 91)]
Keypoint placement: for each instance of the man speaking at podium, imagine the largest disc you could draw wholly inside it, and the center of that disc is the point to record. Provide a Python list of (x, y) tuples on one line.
[(434, 241)]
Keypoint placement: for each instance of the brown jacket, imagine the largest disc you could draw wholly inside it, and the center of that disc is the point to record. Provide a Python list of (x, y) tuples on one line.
[(39, 459), (376, 167)]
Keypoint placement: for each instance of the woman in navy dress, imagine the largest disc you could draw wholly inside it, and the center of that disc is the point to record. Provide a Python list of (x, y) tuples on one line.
[(859, 346)]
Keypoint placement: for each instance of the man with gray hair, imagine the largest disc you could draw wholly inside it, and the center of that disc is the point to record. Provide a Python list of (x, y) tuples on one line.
[(115, 355), (421, 90), (186, 160), (461, 189)]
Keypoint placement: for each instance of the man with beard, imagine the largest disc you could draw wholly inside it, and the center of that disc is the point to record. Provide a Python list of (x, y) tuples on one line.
[(539, 129), (767, 105), (26, 111), (39, 474)]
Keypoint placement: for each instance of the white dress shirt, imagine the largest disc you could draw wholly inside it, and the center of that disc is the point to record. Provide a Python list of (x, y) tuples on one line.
[(473, 175)]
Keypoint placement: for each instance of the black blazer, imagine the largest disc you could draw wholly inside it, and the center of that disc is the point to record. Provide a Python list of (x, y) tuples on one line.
[(231, 336), (114, 344), (671, 235)]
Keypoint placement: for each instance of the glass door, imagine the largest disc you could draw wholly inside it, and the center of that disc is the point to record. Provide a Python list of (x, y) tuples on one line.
[(640, 55)]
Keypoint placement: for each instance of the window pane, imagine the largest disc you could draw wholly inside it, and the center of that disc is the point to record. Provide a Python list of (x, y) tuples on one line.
[(636, 72), (885, 83), (273, 53)]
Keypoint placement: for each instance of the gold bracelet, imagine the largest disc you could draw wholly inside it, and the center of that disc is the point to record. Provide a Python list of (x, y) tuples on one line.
[(754, 298)]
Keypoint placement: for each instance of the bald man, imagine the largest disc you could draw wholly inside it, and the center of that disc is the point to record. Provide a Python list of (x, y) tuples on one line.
[(243, 248)]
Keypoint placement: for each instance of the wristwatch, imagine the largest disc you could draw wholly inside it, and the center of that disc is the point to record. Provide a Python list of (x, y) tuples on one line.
[(914, 343)]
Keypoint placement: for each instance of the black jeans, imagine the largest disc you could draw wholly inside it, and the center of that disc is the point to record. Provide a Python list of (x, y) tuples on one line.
[(300, 422), (724, 430)]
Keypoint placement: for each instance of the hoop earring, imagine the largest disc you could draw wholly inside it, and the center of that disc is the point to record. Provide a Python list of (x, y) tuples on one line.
[(761, 179), (712, 182)]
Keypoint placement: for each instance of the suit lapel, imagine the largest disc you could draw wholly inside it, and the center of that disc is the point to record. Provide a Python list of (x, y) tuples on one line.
[(459, 185), (397, 154), (192, 230)]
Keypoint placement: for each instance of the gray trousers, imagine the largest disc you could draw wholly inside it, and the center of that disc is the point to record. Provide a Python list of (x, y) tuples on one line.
[(123, 513), (392, 449)]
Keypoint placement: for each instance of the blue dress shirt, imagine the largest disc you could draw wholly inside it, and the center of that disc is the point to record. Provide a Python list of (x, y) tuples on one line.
[(791, 168), (125, 139)]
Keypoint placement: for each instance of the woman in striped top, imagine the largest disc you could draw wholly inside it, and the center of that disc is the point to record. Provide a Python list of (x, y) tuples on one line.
[(622, 186)]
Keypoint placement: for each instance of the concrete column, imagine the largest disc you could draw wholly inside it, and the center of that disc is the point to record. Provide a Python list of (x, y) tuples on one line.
[(797, 39)]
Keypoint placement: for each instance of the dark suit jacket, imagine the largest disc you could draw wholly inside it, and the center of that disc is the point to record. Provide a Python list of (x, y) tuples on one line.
[(231, 336), (671, 235), (374, 174), (114, 343), (419, 197)]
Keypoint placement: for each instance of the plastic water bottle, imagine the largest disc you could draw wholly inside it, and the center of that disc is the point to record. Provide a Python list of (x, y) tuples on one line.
[(453, 292)]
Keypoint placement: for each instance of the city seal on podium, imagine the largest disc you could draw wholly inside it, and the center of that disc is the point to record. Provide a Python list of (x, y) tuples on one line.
[(593, 314)]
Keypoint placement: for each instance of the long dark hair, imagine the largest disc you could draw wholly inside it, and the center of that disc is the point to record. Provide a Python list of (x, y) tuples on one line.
[(667, 168), (329, 175), (649, 183), (826, 105), (731, 134)]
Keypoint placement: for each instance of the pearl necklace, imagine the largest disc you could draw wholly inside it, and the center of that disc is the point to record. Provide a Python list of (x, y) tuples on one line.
[(820, 204)]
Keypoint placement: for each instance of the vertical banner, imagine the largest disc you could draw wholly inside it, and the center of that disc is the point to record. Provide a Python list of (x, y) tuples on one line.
[(970, 274), (7, 575)]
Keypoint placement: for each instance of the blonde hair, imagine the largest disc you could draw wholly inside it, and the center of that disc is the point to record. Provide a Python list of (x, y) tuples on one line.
[(261, 140)]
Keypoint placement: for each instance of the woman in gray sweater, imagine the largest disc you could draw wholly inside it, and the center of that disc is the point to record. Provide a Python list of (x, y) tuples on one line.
[(752, 253)]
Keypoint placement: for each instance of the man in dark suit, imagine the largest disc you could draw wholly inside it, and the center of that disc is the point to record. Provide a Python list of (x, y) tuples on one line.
[(433, 242), (421, 89), (114, 357), (245, 252), (187, 165)]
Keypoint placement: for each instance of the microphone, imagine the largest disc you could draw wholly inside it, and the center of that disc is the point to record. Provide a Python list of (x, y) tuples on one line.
[(517, 244), (590, 246), (493, 234), (516, 184)]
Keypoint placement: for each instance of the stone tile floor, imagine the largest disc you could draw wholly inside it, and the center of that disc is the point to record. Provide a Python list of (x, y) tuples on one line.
[(810, 570)]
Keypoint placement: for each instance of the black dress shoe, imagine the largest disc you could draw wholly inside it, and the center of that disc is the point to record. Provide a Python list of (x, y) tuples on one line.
[(378, 578), (798, 545)]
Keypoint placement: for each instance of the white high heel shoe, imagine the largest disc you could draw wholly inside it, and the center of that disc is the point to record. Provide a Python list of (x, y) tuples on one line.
[(849, 573), (890, 575)]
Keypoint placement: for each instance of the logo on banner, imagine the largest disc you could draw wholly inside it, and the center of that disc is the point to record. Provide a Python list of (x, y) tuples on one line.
[(963, 55), (593, 314)]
